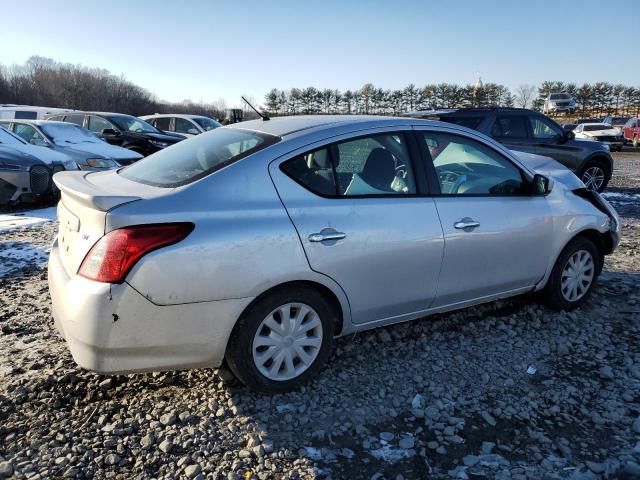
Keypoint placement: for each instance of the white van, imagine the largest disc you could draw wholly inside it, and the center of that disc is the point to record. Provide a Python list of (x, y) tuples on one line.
[(28, 112)]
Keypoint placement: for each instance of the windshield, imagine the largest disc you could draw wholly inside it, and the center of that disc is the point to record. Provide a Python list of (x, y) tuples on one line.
[(133, 124), (596, 127), (186, 162), (206, 123), (619, 121), (559, 96), (8, 138), (67, 133)]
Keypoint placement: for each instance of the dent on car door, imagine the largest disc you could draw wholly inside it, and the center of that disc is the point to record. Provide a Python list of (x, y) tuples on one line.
[(360, 222), (496, 234)]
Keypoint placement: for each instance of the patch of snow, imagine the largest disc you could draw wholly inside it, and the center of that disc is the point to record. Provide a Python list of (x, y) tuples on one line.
[(12, 221), (615, 196), (389, 454), (15, 256)]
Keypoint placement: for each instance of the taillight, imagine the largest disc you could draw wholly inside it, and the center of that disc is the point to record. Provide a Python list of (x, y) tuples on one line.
[(115, 254)]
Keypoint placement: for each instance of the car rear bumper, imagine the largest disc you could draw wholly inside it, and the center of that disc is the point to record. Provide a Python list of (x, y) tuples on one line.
[(112, 328)]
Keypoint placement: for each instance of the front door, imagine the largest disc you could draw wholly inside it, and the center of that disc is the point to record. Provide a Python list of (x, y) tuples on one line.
[(550, 141), (355, 206), (496, 235)]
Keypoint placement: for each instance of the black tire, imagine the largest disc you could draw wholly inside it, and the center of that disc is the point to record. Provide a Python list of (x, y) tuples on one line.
[(552, 294), (239, 354), (603, 166)]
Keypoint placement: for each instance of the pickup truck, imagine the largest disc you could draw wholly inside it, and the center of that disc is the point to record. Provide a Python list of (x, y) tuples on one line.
[(631, 131)]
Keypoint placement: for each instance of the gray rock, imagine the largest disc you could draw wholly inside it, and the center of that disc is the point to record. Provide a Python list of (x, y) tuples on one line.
[(168, 418), (606, 372), (432, 445), (470, 460), (166, 446), (407, 442), (595, 467), (6, 469), (112, 459), (487, 448), (192, 470), (105, 384), (635, 426), (386, 436), (488, 418), (147, 441)]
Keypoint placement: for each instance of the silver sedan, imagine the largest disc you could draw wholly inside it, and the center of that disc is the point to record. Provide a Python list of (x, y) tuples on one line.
[(259, 243)]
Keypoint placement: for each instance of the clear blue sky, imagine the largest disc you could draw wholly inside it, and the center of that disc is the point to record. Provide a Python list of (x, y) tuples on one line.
[(206, 50)]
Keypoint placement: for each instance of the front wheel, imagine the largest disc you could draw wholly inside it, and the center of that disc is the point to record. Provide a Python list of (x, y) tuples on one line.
[(282, 340), (574, 275), (595, 176)]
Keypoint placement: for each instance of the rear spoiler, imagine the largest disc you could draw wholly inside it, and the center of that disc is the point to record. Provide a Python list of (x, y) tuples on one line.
[(76, 186)]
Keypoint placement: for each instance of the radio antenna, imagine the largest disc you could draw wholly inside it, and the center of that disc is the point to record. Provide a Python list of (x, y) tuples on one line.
[(262, 115)]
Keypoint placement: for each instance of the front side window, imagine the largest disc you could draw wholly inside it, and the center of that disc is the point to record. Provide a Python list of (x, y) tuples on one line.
[(183, 125), (510, 127), (97, 124), (132, 124), (206, 123), (467, 167), (375, 165), (469, 122), (542, 128), (163, 123), (186, 162)]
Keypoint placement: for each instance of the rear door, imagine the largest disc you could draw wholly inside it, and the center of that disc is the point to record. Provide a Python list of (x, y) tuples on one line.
[(496, 235), (357, 209)]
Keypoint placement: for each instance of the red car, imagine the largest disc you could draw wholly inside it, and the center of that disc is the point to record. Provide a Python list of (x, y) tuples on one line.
[(631, 131)]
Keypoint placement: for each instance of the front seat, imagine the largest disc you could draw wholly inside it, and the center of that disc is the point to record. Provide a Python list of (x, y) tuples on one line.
[(379, 169)]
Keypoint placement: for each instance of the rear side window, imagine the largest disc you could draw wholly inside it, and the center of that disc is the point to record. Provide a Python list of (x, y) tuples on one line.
[(77, 119), (375, 165), (510, 127), (163, 123), (469, 122), (186, 162)]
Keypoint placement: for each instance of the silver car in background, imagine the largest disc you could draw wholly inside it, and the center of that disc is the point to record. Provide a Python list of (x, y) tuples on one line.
[(258, 243), (87, 150)]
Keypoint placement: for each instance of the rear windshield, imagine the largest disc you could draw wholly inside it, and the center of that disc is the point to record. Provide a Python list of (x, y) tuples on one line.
[(469, 122), (595, 128), (190, 160)]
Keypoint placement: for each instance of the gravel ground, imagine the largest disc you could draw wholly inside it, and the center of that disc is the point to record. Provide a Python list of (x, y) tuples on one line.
[(508, 390)]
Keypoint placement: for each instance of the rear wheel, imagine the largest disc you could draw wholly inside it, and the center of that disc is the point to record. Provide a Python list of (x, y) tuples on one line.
[(595, 175), (282, 340), (574, 275)]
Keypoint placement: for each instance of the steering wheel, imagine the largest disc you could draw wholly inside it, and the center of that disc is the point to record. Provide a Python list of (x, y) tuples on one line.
[(451, 178)]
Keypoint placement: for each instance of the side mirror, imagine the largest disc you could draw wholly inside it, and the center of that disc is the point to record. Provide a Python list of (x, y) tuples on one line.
[(541, 185), (38, 142), (110, 131), (193, 131)]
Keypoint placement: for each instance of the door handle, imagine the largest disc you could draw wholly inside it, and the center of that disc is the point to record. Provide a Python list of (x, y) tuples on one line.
[(466, 223), (324, 236)]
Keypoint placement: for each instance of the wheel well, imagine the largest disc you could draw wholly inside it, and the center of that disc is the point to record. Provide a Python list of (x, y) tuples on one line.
[(603, 242), (600, 159), (324, 291)]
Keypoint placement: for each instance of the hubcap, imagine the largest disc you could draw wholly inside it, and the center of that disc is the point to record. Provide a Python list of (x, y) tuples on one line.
[(593, 178), (287, 341), (577, 275)]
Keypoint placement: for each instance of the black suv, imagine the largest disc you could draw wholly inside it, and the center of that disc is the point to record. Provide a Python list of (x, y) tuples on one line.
[(532, 132), (122, 130)]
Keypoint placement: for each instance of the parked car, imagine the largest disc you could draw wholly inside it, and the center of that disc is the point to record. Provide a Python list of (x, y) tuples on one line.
[(569, 127), (10, 111), (616, 122), (50, 157), (87, 150), (600, 132), (124, 131), (23, 177), (187, 125), (529, 131), (631, 131), (559, 102), (258, 243)]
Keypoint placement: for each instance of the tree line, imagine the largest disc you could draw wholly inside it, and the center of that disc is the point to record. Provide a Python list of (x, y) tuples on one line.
[(45, 82), (597, 99)]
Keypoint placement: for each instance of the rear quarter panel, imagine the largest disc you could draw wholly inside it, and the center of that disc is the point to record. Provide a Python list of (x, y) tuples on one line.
[(243, 242)]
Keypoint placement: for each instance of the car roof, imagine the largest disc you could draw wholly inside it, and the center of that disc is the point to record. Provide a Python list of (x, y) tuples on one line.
[(36, 122), (599, 124), (179, 115), (286, 126)]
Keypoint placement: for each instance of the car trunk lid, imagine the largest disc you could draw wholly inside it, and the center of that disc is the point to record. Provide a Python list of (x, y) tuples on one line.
[(86, 200)]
